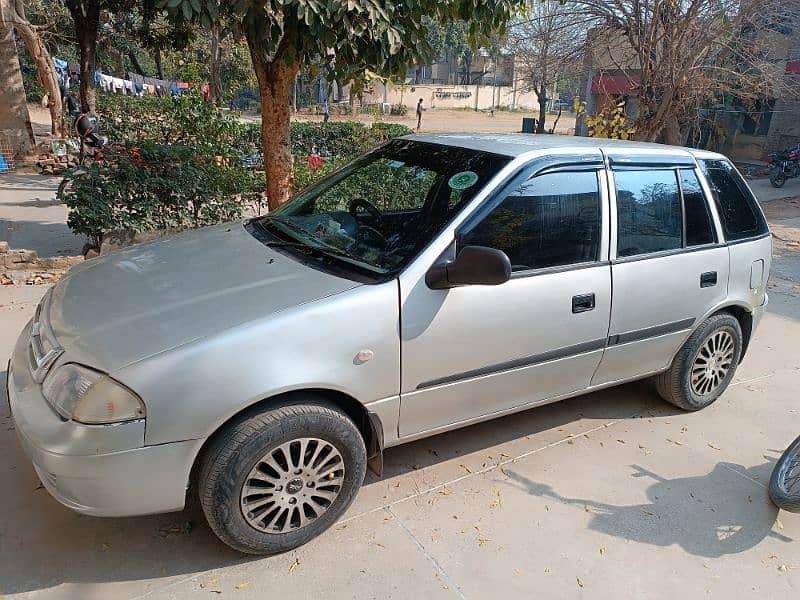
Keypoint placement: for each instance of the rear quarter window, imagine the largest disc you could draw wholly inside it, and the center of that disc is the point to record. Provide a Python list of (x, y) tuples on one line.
[(738, 209)]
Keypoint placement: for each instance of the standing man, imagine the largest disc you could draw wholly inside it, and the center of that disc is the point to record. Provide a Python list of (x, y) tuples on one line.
[(419, 114), (326, 111)]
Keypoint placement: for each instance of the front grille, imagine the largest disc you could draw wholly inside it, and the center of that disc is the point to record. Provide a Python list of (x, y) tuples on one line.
[(44, 350)]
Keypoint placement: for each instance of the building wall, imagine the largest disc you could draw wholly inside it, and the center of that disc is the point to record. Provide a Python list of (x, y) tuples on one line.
[(482, 97)]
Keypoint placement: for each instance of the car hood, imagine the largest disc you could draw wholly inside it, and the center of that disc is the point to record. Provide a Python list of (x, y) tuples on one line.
[(125, 306)]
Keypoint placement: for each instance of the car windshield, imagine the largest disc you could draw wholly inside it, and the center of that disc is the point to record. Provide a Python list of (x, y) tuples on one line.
[(377, 213)]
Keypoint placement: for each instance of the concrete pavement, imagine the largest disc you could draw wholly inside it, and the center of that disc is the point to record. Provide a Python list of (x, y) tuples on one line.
[(32, 219)]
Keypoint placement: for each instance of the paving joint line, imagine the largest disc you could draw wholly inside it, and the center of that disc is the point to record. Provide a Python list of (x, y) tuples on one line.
[(450, 583), (485, 470), (744, 476)]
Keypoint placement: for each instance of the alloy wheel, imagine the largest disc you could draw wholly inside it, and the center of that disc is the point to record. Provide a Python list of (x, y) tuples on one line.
[(712, 362), (292, 485)]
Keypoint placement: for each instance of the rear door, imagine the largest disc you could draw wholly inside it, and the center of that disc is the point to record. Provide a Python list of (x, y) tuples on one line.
[(668, 267)]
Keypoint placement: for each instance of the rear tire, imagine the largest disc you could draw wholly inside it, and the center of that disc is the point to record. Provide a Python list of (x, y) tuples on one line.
[(705, 364), (784, 484), (276, 479)]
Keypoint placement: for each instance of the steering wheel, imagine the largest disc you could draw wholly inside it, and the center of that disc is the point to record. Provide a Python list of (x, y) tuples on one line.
[(371, 237), (374, 213)]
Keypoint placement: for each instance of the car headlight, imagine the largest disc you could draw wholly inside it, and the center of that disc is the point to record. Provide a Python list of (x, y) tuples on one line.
[(90, 397)]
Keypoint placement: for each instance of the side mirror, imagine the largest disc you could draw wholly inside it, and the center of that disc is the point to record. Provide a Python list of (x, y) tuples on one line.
[(474, 265)]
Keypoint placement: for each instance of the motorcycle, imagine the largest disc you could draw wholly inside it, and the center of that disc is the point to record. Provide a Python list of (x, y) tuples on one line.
[(87, 128), (784, 484), (784, 165)]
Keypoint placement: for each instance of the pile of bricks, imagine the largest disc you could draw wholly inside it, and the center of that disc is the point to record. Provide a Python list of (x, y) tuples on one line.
[(18, 267), (52, 164)]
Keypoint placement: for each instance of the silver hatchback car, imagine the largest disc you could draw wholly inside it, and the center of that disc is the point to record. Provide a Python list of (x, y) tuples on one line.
[(438, 281)]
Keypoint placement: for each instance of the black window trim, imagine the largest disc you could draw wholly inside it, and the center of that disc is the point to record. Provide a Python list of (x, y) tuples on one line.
[(542, 166), (746, 192), (684, 249)]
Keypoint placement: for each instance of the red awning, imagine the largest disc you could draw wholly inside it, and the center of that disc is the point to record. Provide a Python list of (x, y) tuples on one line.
[(793, 67), (617, 85)]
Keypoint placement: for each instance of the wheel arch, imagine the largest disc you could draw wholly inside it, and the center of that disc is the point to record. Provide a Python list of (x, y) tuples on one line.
[(741, 313), (368, 423)]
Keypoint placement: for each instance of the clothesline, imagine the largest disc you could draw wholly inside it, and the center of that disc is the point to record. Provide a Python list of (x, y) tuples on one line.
[(134, 85)]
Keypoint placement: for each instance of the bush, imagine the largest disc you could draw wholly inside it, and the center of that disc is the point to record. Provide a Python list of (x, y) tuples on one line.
[(180, 165), (182, 120), (156, 187), (398, 109)]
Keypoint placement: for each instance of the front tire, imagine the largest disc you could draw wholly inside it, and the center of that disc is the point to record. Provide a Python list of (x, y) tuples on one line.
[(784, 484), (777, 179), (274, 480), (705, 364)]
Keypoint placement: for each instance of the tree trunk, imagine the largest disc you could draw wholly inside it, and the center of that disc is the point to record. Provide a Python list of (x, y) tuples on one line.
[(15, 121), (86, 16), (542, 98), (159, 65), (672, 132), (215, 67), (135, 62), (45, 68), (275, 80)]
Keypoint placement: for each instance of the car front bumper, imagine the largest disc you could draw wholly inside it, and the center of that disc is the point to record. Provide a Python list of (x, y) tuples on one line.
[(99, 470)]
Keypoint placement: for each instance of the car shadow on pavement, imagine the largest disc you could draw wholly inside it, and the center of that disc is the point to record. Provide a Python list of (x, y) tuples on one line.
[(44, 545), (694, 513)]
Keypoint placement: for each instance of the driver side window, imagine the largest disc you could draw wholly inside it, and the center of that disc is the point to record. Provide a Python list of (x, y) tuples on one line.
[(551, 220)]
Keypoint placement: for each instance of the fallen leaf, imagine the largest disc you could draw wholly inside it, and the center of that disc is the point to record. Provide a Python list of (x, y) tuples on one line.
[(602, 550), (571, 442), (778, 523), (104, 547), (602, 445), (782, 568), (547, 508), (547, 569), (241, 586), (677, 443), (466, 468), (648, 513), (482, 541), (340, 527), (294, 565), (445, 491), (710, 445), (416, 467), (379, 545), (517, 571), (621, 442), (684, 429), (580, 583)]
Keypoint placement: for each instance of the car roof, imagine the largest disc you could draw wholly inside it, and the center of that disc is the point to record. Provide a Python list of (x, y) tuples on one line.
[(516, 144)]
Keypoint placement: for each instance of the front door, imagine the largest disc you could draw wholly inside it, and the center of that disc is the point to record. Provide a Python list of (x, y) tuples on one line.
[(472, 351), (668, 272)]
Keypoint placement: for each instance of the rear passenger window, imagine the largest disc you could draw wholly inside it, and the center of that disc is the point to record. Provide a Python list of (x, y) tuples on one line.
[(699, 229), (550, 220), (648, 212), (738, 209)]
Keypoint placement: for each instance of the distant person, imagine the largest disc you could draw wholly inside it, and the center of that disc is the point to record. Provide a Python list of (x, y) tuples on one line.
[(73, 108), (232, 104), (419, 114), (326, 111)]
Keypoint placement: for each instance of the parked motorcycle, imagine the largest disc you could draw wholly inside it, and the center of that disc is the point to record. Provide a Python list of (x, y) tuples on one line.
[(784, 165), (784, 485), (87, 128)]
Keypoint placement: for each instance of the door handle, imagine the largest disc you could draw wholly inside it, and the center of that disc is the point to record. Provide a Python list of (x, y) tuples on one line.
[(708, 279), (582, 303)]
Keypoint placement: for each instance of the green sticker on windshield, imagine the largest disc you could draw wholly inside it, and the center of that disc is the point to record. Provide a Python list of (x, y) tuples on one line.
[(463, 180)]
